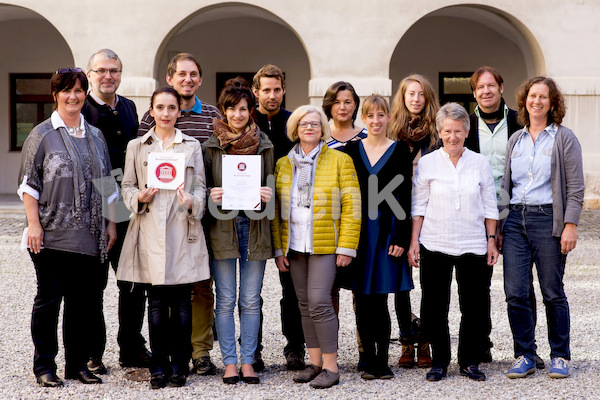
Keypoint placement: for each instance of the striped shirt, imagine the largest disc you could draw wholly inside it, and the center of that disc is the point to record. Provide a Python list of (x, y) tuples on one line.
[(199, 126), (333, 143)]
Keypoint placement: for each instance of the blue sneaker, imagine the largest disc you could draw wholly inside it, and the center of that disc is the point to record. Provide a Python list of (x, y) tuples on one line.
[(521, 368), (559, 368)]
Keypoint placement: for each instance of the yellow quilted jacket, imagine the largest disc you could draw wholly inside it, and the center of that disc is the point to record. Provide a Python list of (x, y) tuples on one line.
[(336, 205)]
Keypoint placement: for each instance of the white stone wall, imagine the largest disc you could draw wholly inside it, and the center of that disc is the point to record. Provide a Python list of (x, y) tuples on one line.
[(372, 44)]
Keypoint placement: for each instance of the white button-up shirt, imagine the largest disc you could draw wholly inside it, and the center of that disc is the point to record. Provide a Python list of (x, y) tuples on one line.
[(454, 201)]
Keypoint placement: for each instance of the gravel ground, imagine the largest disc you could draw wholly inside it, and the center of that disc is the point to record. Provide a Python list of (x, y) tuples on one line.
[(582, 281)]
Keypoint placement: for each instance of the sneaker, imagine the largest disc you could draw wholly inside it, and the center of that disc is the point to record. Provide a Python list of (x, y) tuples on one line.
[(325, 379), (294, 361), (521, 368), (559, 368), (203, 366)]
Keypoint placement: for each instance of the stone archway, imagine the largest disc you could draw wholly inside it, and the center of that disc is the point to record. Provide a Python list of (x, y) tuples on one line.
[(461, 39), (238, 38)]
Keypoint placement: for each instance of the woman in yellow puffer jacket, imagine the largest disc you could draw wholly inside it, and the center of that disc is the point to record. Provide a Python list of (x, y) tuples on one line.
[(316, 228)]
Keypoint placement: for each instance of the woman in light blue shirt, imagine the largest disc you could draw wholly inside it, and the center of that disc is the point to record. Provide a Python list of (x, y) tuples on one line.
[(543, 180)]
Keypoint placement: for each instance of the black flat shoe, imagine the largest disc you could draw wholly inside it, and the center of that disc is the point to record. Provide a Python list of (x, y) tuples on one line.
[(435, 374), (473, 372), (49, 380), (177, 380), (231, 380), (159, 381), (251, 380), (84, 376)]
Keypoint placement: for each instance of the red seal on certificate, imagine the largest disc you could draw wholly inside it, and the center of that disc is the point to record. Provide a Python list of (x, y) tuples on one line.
[(166, 172), (242, 166)]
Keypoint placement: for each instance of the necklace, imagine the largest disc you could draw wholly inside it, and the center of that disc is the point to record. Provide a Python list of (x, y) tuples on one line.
[(75, 130)]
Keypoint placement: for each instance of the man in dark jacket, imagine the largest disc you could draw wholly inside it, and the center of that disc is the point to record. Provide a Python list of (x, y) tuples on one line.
[(116, 117), (268, 86), (492, 123)]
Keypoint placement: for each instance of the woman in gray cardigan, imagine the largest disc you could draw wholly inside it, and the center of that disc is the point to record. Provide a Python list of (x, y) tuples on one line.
[(543, 181)]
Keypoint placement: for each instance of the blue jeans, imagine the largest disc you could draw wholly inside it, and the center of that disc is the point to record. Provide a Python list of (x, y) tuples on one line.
[(528, 239), (251, 279)]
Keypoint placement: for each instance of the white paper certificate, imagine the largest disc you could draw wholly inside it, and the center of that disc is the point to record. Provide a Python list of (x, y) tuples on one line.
[(241, 182), (166, 170)]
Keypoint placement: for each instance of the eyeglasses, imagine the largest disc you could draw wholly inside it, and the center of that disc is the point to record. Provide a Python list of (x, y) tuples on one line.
[(67, 70), (313, 124), (103, 71)]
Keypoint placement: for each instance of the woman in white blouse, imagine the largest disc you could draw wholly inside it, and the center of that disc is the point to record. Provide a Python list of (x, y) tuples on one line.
[(454, 220)]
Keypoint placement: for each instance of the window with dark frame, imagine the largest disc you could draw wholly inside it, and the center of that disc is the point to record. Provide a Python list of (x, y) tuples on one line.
[(30, 104), (456, 87)]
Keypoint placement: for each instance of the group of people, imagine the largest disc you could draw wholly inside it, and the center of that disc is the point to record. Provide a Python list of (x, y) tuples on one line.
[(420, 186)]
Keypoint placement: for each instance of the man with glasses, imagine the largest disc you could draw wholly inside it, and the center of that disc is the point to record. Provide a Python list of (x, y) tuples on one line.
[(117, 118)]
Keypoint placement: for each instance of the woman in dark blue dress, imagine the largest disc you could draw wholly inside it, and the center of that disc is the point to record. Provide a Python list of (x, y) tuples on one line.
[(384, 171)]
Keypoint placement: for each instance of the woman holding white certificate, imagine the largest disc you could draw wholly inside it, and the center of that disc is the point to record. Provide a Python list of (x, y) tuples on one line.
[(245, 237), (165, 244)]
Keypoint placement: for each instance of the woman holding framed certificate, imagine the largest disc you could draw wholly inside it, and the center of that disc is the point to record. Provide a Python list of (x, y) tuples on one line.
[(164, 245), (242, 234), (315, 230)]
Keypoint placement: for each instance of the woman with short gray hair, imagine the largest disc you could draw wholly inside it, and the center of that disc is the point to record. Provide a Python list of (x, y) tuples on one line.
[(454, 221)]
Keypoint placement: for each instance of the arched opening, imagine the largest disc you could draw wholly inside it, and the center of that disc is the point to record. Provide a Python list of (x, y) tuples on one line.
[(236, 38), (459, 39), (32, 49)]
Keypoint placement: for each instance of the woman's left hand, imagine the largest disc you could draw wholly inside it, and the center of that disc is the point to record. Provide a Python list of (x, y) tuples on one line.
[(492, 252), (395, 251), (265, 194), (342, 260), (568, 239), (111, 234), (185, 199)]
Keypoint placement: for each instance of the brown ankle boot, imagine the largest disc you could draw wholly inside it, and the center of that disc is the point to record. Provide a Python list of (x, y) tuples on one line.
[(423, 356), (407, 360)]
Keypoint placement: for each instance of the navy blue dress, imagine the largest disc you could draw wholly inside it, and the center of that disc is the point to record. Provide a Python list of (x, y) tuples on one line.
[(373, 270)]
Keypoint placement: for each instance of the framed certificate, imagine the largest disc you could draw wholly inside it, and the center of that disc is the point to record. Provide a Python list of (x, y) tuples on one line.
[(241, 182), (166, 170)]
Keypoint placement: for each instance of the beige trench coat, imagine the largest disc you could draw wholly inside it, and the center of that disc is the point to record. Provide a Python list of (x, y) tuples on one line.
[(165, 244)]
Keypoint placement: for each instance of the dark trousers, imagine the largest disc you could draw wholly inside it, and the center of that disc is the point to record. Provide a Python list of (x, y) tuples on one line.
[(76, 278), (132, 305), (374, 328), (291, 319), (404, 315), (436, 278), (170, 326), (527, 240)]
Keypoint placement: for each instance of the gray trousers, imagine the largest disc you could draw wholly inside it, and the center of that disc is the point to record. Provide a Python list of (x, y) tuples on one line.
[(313, 276)]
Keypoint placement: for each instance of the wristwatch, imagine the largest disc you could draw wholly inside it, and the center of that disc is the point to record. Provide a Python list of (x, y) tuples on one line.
[(491, 237)]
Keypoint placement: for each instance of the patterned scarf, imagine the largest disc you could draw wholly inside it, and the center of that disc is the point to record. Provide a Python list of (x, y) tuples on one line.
[(245, 143), (304, 172), (414, 130), (97, 228)]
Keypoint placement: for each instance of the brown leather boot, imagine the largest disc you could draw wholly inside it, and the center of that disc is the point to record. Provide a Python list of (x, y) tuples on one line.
[(407, 360), (423, 355)]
